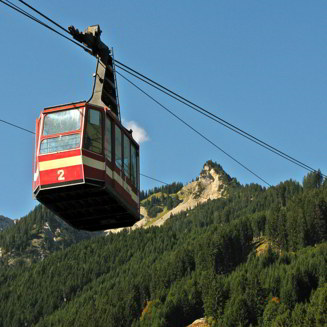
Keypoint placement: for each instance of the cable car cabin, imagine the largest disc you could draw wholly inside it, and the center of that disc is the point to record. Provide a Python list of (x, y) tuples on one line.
[(86, 167)]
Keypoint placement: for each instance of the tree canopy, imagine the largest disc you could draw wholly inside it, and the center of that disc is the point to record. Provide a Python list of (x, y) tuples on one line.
[(202, 262)]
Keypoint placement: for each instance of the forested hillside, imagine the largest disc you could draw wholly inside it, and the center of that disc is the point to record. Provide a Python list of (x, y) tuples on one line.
[(5, 222), (167, 189), (36, 236), (202, 262)]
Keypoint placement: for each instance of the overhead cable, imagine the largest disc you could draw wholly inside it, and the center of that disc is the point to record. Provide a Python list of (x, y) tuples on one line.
[(210, 115), (44, 16), (192, 128), (216, 120), (154, 179), (23, 12), (13, 125)]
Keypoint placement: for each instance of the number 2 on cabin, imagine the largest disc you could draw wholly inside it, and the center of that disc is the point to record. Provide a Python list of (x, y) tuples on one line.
[(61, 174)]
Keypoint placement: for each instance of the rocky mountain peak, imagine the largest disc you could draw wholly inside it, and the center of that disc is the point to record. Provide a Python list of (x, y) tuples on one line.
[(208, 185), (207, 173), (212, 183)]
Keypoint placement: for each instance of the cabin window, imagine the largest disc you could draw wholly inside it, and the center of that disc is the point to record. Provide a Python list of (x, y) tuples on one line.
[(127, 156), (118, 146), (60, 143), (108, 144), (134, 165), (62, 122), (93, 135)]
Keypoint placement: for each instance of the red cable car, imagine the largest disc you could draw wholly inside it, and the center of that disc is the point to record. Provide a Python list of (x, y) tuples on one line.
[(87, 164)]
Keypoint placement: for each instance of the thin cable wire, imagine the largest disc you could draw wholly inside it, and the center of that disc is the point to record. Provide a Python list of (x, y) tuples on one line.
[(44, 16), (193, 129), (23, 12), (212, 116), (214, 119), (13, 125), (154, 179), (20, 10)]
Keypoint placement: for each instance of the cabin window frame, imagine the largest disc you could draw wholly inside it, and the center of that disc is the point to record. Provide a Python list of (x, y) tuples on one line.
[(87, 123), (134, 165), (109, 148), (118, 148), (127, 146), (67, 132), (65, 142), (52, 137)]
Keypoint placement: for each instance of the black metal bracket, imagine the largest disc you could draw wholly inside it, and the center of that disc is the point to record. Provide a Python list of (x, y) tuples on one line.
[(104, 89)]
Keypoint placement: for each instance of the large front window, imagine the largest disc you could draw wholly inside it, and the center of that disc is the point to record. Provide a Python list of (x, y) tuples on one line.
[(61, 122)]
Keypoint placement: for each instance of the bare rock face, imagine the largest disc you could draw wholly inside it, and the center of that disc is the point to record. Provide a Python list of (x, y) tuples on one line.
[(208, 186), (211, 183), (199, 323)]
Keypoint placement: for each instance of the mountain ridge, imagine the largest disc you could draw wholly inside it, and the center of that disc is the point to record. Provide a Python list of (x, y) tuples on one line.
[(212, 183)]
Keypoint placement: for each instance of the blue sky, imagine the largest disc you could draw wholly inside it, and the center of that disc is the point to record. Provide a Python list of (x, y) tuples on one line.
[(260, 65)]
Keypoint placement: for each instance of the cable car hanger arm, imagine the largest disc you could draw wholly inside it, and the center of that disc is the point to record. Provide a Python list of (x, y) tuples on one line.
[(91, 39), (105, 86)]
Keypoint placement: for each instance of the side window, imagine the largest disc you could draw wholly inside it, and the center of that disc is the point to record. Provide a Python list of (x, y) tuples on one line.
[(127, 156), (134, 165), (93, 135), (118, 147), (108, 145)]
